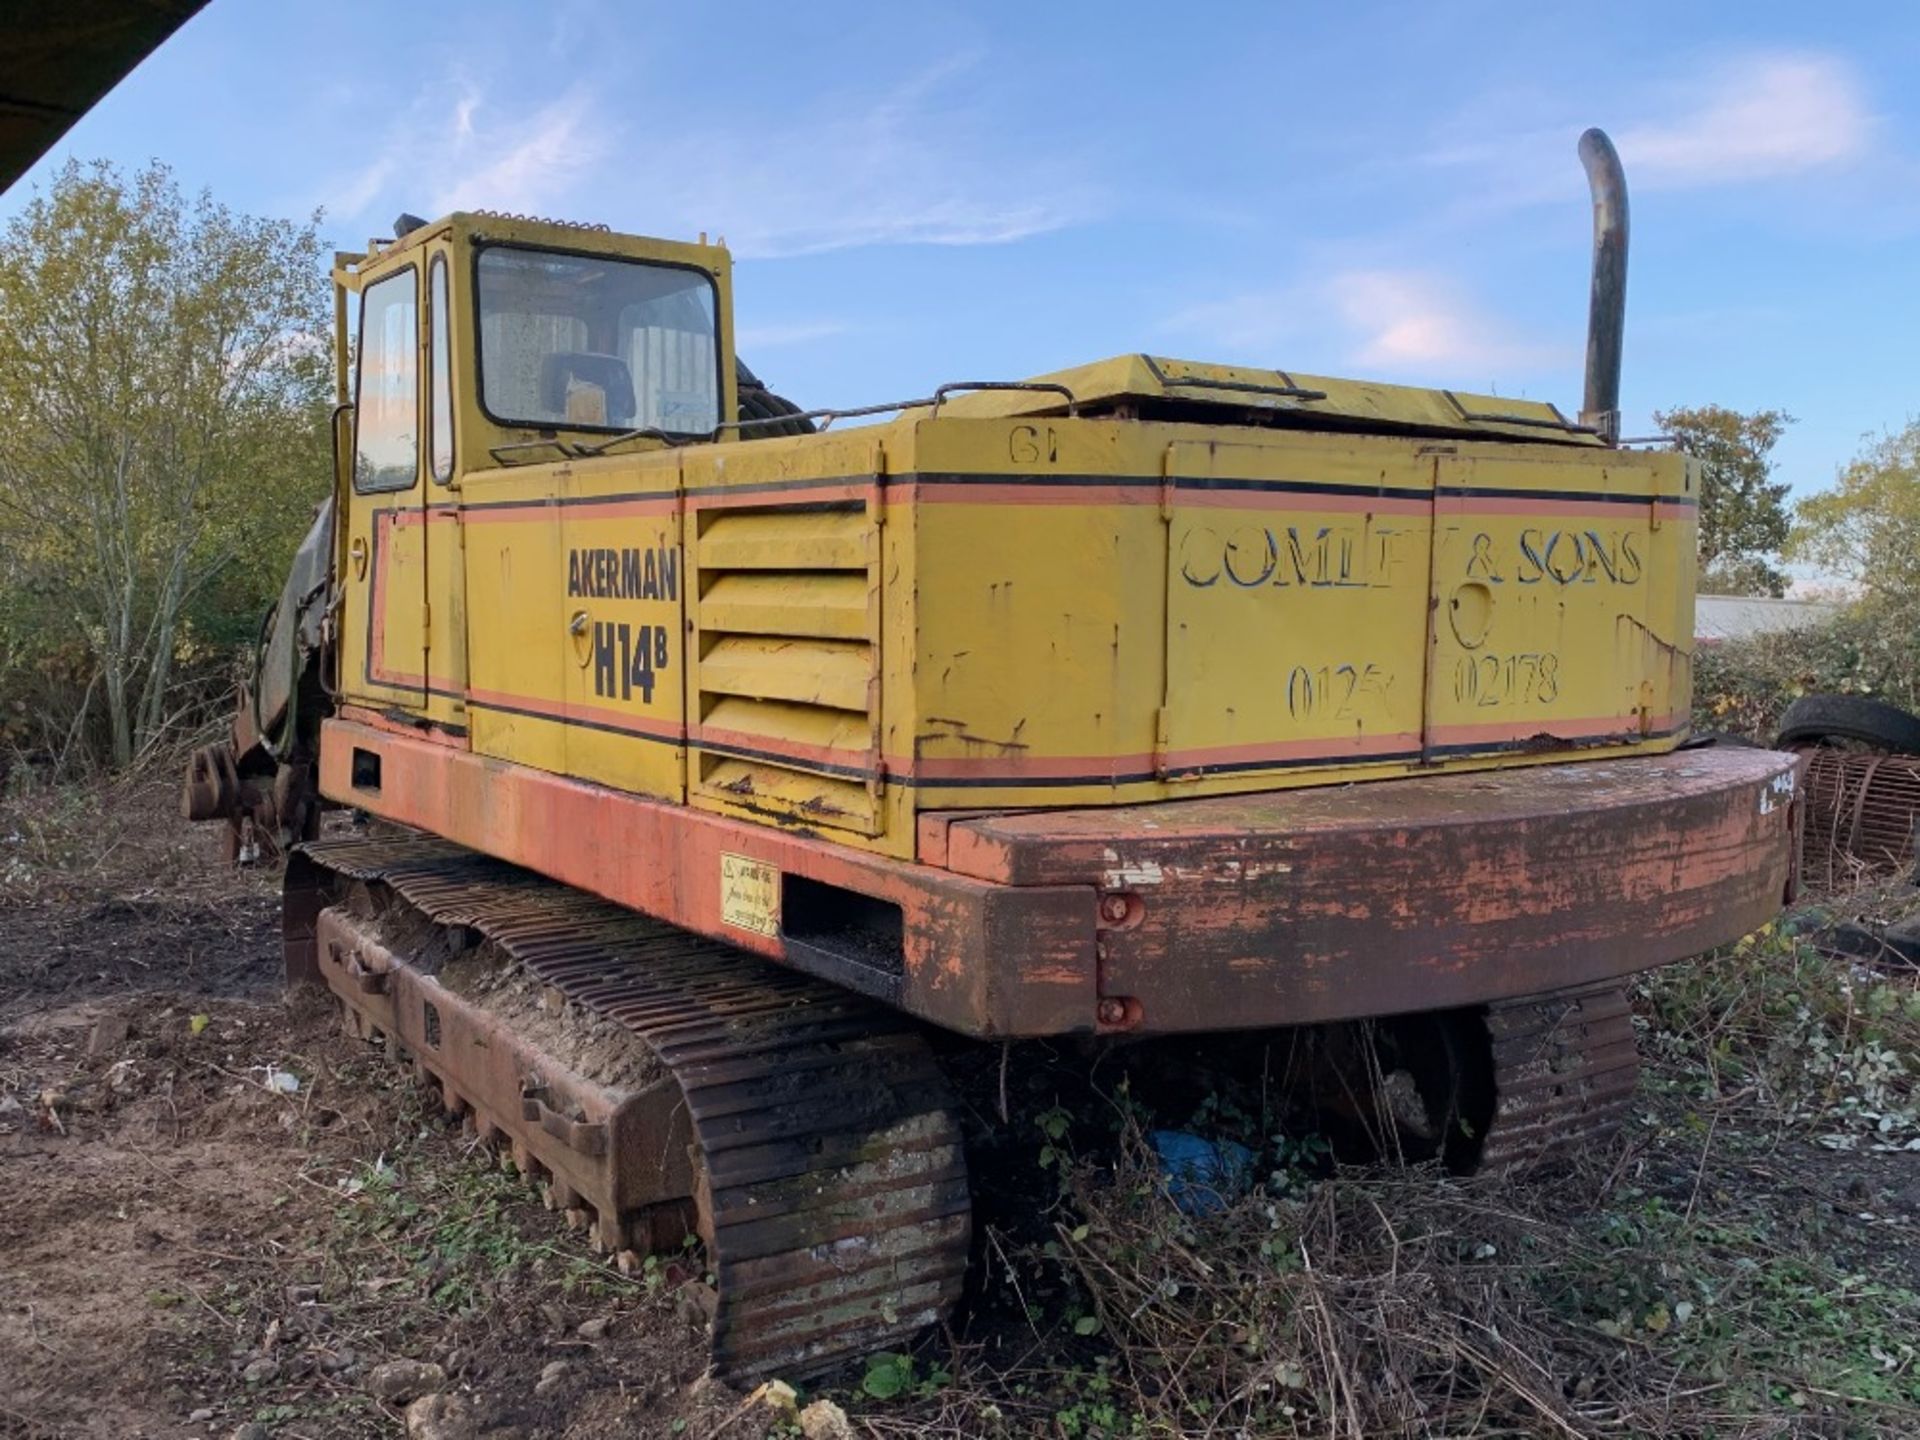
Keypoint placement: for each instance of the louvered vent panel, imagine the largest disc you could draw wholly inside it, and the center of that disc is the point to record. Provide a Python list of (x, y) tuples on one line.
[(786, 683)]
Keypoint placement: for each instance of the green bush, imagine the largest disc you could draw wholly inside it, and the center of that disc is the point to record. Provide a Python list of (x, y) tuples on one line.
[(1742, 686)]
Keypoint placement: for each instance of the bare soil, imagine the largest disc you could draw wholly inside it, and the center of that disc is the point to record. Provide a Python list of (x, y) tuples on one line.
[(191, 1242)]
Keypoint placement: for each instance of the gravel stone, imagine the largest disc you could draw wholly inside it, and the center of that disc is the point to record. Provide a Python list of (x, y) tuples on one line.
[(404, 1380), (441, 1417)]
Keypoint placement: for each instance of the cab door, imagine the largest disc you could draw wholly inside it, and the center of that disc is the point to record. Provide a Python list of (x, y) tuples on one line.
[(444, 622), (384, 639)]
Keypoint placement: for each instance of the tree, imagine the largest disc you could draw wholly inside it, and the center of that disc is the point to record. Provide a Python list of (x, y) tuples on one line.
[(1866, 530), (1743, 512), (163, 391)]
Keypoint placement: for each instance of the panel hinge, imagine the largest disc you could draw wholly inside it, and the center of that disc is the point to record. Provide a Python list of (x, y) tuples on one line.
[(877, 494)]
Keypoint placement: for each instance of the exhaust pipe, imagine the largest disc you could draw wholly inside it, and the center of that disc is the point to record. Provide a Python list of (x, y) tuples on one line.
[(1607, 312)]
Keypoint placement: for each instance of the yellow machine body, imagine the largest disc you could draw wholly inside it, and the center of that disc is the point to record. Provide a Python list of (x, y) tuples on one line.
[(1141, 580)]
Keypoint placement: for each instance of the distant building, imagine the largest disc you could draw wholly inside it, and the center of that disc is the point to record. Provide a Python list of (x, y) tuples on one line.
[(1737, 617)]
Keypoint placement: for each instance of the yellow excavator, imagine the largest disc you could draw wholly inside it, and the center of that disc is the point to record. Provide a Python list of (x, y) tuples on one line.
[(728, 753)]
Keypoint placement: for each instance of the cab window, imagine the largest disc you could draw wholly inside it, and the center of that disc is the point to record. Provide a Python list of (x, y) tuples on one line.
[(586, 342), (440, 433), (387, 402)]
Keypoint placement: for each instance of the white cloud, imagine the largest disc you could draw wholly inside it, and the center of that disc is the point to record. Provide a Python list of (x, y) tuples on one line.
[(1407, 323), (1767, 115), (1763, 116), (522, 164), (453, 149), (914, 165), (1410, 320), (356, 193)]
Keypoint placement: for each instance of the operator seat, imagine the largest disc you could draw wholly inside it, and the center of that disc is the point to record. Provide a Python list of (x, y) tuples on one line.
[(580, 387)]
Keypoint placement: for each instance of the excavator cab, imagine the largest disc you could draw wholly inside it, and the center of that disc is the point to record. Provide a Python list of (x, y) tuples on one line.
[(463, 345), (506, 340)]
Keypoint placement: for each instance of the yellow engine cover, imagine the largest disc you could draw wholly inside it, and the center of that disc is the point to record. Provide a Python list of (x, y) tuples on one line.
[(1004, 605)]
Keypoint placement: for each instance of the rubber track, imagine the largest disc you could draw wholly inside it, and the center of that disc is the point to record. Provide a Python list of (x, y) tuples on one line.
[(837, 1180), (1565, 1066)]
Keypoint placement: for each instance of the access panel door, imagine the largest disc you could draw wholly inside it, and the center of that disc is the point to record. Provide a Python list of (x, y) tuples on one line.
[(1549, 628), (622, 625), (1297, 586), (519, 645)]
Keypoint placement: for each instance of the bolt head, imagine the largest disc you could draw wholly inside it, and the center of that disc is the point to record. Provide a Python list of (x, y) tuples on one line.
[(1113, 1012), (1114, 908)]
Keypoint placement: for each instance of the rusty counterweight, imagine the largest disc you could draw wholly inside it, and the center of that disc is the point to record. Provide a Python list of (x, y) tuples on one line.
[(1238, 912)]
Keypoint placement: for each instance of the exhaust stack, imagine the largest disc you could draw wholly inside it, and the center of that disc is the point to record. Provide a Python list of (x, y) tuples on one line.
[(1607, 312)]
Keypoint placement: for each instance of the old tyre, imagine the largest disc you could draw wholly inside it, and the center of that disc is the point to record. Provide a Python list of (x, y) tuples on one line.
[(1822, 719)]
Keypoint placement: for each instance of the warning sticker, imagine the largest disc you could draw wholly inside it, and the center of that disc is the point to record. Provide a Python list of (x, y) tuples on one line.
[(749, 895)]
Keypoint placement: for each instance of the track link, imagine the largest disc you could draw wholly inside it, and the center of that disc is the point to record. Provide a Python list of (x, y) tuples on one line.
[(807, 1134), (1564, 1069)]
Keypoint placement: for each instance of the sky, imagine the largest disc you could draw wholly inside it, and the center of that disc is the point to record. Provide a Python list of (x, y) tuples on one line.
[(921, 193)]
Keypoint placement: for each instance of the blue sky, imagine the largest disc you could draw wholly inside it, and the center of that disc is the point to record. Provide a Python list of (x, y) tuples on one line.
[(921, 193)]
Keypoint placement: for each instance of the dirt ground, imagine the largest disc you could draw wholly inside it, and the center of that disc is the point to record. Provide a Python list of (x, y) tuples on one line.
[(221, 1217), (216, 1210)]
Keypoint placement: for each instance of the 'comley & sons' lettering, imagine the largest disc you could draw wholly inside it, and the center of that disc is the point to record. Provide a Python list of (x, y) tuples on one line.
[(628, 574), (1323, 556), (1559, 557)]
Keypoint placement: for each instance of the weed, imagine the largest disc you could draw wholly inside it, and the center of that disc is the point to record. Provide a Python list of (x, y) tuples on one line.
[(448, 1237), (891, 1376), (1690, 1279), (1773, 1022)]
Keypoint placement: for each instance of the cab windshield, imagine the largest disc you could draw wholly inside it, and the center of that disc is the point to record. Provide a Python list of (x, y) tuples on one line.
[(583, 342)]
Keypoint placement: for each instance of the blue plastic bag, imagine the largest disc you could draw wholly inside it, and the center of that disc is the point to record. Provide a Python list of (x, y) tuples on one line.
[(1203, 1176)]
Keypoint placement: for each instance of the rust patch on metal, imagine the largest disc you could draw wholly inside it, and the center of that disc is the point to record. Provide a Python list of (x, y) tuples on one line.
[(979, 958), (262, 808), (1286, 908), (1349, 902), (1861, 811)]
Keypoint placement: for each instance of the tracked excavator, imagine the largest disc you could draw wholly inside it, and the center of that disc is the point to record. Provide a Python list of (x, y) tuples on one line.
[(736, 767)]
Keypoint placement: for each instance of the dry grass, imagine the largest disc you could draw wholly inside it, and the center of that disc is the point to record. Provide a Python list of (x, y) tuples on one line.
[(1743, 1262)]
